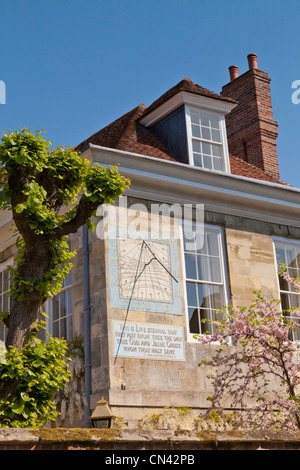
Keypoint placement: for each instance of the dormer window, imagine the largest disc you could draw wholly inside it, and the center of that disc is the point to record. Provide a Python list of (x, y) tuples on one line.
[(190, 121), (206, 140)]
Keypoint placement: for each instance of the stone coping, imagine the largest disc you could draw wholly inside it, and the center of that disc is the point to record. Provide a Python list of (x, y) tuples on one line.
[(138, 439)]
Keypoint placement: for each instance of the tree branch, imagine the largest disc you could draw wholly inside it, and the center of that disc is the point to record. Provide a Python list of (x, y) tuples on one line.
[(84, 211)]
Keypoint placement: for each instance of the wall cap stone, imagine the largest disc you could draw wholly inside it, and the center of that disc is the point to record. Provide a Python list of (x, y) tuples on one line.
[(80, 437)]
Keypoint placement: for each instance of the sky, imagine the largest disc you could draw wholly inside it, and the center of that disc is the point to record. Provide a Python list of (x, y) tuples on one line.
[(73, 66)]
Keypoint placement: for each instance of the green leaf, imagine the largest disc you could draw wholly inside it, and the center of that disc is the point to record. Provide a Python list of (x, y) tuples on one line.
[(18, 407)]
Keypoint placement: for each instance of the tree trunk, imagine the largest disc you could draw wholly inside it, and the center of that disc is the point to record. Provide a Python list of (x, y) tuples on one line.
[(25, 314), (22, 321)]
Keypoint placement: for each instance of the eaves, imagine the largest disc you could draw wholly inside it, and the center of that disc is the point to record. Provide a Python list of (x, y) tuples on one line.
[(172, 182)]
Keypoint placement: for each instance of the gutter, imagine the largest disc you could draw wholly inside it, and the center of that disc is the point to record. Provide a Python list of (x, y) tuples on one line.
[(154, 179), (138, 160)]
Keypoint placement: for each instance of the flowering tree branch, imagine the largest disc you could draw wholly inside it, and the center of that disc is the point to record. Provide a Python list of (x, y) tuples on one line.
[(256, 367)]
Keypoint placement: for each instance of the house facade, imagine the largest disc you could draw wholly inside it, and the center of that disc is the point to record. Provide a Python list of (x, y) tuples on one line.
[(205, 222)]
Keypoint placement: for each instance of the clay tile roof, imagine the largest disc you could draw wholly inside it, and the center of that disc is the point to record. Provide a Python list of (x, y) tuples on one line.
[(185, 85), (242, 168), (127, 134)]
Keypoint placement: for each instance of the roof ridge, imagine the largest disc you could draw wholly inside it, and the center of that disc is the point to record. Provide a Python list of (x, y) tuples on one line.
[(186, 84), (132, 115), (113, 132)]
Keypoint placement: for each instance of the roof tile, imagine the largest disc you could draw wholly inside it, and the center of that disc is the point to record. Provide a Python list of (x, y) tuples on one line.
[(127, 134)]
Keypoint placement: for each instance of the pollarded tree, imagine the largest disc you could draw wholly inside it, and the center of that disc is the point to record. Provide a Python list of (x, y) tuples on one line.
[(255, 366), (51, 193)]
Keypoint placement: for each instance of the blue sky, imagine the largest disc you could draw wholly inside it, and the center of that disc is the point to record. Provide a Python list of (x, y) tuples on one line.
[(73, 66)]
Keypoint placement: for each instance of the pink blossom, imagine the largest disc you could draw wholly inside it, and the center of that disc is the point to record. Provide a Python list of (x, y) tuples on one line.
[(256, 374)]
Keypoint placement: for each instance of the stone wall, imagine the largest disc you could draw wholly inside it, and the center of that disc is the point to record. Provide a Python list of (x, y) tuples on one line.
[(144, 440), (134, 386)]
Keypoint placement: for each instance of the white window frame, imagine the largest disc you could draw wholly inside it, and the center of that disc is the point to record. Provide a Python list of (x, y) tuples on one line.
[(3, 267), (223, 144), (49, 313), (223, 266), (293, 242)]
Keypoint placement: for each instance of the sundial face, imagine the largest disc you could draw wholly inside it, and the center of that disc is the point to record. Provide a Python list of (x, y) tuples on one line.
[(144, 272)]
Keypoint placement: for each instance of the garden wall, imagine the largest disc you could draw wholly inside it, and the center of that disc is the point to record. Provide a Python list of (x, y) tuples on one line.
[(148, 440)]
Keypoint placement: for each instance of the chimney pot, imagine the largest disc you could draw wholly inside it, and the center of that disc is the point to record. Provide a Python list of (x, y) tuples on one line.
[(252, 61), (233, 71)]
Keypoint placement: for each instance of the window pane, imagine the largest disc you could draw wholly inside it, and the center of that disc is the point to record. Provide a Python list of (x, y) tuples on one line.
[(206, 148), (189, 240), (68, 279), (216, 297), (55, 307), (196, 146), (214, 122), (63, 309), (5, 303), (191, 294), (214, 270), (293, 272), (218, 164), (215, 135), (195, 117), (280, 255), (69, 301), (69, 327), (203, 295), (205, 120), (283, 284), (196, 131), (211, 240), (5, 280), (216, 150), (56, 329), (206, 133), (205, 318), (194, 320), (294, 301), (207, 162), (296, 333), (290, 257), (203, 268), (63, 328), (197, 160), (190, 266)]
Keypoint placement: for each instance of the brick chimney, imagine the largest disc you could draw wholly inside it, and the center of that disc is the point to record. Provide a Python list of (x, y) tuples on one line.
[(251, 129)]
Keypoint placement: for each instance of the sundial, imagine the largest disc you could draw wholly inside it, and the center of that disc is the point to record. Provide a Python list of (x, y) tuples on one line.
[(144, 271)]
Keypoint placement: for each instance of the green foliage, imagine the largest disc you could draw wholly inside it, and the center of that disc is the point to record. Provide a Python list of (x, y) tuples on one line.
[(37, 183), (39, 371), (53, 279), (51, 194)]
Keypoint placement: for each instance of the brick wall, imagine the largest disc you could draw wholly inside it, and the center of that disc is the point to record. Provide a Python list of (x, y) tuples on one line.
[(251, 128)]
